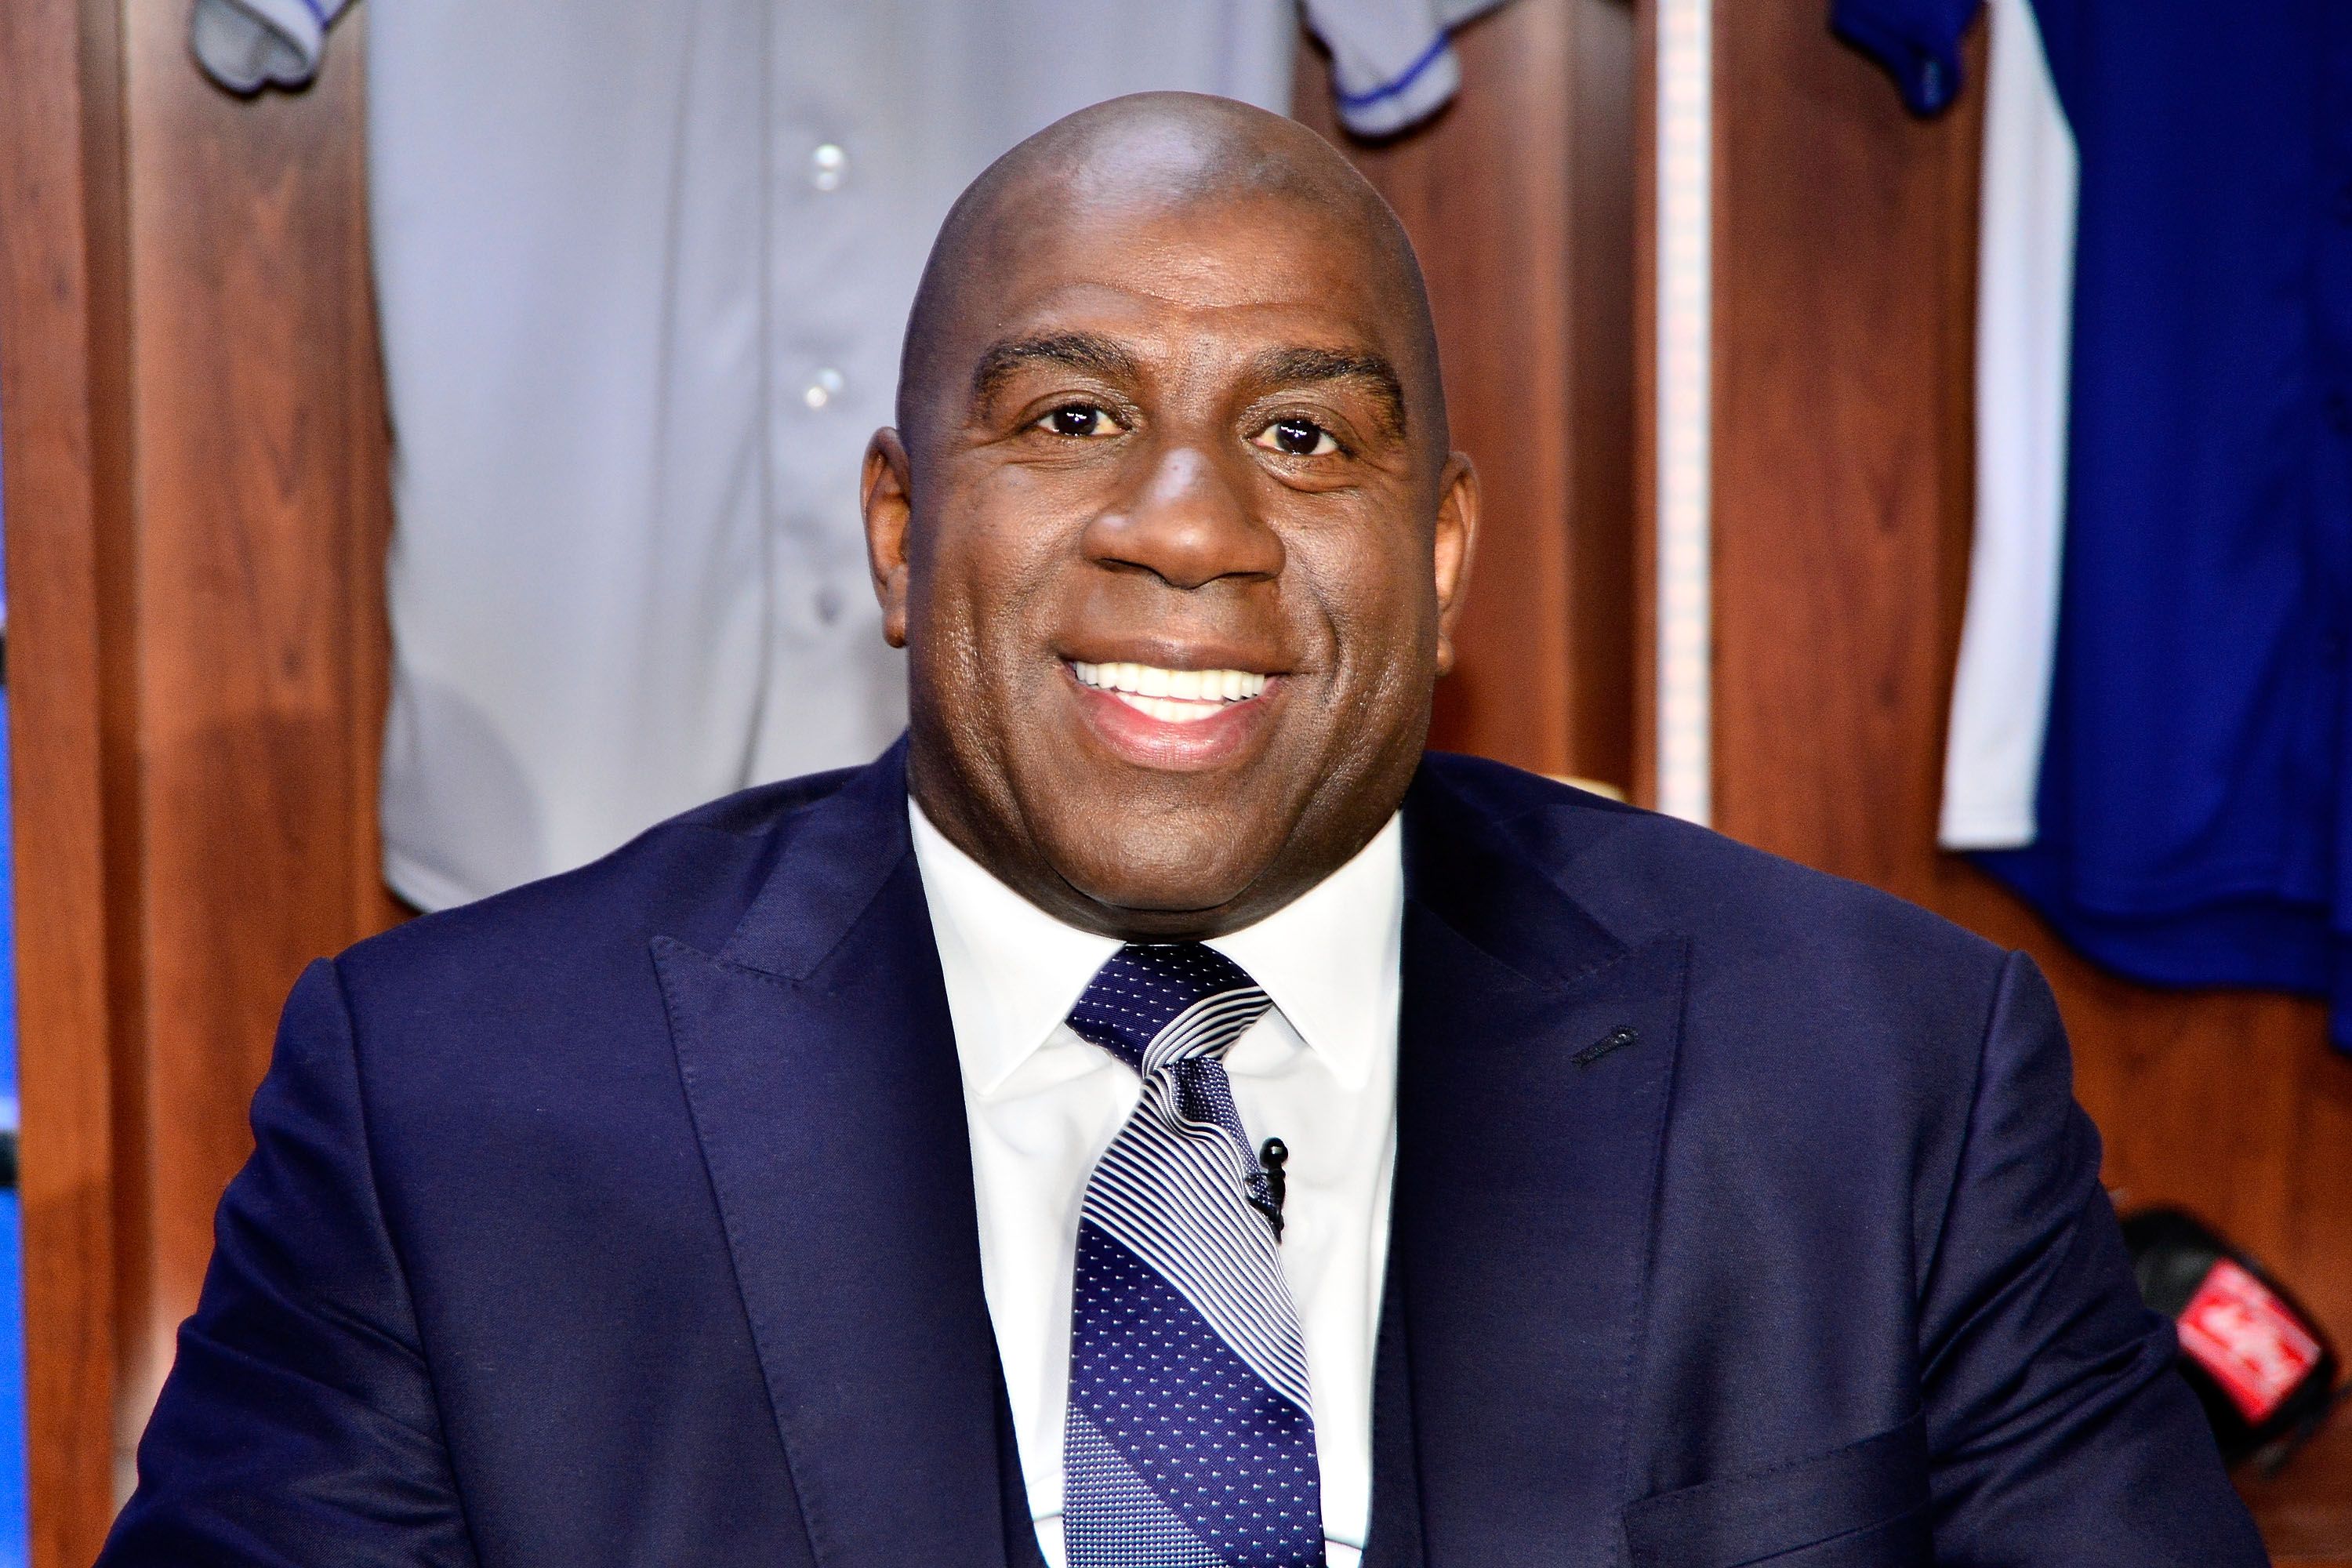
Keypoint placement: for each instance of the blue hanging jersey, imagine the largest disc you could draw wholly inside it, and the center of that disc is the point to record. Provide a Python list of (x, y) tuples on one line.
[(2190, 817)]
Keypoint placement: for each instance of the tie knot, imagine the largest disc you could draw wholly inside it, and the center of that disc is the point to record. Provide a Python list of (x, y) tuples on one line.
[(1154, 1003)]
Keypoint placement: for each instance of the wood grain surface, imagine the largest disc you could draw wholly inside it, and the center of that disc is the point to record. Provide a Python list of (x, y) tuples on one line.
[(258, 618), (64, 409), (1844, 344), (197, 510), (1520, 199)]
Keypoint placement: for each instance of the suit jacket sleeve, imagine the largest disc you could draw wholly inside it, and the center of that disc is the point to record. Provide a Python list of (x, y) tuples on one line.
[(2060, 1430), (298, 1425)]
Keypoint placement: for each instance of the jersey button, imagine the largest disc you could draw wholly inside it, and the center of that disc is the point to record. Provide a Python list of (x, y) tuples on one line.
[(828, 166), (824, 387)]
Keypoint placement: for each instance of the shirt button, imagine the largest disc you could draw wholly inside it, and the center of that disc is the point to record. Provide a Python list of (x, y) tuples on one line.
[(828, 163), (824, 387), (828, 603)]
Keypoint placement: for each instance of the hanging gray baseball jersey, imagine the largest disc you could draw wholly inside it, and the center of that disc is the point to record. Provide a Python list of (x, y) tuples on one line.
[(643, 272)]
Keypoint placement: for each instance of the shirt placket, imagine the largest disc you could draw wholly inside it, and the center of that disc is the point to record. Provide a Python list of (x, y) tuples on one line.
[(821, 322)]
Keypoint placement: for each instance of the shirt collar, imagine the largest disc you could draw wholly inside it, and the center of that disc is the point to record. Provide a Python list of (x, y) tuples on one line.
[(1330, 958)]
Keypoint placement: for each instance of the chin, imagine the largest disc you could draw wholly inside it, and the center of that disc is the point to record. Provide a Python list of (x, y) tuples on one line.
[(1165, 874)]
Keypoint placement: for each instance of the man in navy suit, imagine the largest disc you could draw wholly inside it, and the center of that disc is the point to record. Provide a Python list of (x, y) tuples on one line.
[(1155, 1115)]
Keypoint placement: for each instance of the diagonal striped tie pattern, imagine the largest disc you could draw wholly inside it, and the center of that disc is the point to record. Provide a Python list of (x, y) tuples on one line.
[(1189, 1438)]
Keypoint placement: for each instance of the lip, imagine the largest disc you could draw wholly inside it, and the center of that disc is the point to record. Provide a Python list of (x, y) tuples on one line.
[(1139, 738)]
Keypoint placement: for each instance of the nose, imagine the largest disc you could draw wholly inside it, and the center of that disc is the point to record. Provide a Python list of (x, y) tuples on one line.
[(1188, 522)]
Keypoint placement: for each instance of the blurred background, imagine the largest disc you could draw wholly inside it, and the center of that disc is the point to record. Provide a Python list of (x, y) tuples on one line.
[(1915, 442)]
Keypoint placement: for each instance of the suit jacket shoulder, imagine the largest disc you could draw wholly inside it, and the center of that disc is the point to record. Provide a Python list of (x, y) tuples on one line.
[(1880, 1266), (1768, 934), (691, 876), (1832, 1032)]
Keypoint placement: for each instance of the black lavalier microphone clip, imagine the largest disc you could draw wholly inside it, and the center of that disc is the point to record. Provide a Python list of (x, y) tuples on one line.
[(1271, 1155)]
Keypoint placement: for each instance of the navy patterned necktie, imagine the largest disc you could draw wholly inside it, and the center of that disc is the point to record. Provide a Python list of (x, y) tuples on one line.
[(1189, 1441)]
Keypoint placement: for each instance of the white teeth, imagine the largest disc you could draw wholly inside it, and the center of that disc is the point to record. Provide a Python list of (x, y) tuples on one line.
[(1176, 695), (1170, 708)]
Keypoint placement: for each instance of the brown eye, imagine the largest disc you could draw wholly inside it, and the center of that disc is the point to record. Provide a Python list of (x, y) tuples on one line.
[(1296, 438), (1080, 421)]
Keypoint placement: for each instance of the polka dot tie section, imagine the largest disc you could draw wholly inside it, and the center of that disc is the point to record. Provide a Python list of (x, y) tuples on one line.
[(1189, 1441)]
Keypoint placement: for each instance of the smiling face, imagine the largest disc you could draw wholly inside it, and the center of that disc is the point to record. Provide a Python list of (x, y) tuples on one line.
[(1173, 539)]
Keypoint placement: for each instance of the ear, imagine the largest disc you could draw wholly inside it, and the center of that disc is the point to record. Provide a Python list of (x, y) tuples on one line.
[(885, 495), (1456, 542)]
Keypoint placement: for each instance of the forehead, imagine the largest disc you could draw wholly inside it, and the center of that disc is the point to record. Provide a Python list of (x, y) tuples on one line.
[(1254, 267)]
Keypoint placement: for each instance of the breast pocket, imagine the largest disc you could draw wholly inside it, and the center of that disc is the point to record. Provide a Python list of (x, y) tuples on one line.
[(1862, 1505)]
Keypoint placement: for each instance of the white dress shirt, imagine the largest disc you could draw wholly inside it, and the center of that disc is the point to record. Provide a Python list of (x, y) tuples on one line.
[(1319, 1070)]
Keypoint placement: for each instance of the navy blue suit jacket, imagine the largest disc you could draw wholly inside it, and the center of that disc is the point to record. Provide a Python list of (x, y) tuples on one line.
[(1741, 1214)]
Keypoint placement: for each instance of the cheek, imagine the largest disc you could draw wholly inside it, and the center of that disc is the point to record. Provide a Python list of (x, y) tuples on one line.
[(1376, 597), (985, 562)]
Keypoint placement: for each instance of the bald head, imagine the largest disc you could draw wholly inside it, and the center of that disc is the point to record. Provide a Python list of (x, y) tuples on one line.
[(1143, 160), (1168, 527)]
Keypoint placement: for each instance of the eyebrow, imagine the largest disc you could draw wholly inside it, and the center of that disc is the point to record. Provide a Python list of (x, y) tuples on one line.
[(1293, 367), (1079, 351)]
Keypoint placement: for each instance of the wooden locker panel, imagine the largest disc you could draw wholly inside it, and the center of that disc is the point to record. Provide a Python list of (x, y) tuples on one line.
[(196, 511), (64, 414), (257, 622), (1520, 199), (1845, 326)]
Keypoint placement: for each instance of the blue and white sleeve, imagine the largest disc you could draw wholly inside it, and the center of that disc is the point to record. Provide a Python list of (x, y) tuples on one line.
[(1392, 63), (1918, 41), (246, 45)]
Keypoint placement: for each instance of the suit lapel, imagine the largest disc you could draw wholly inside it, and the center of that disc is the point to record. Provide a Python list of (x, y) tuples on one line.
[(1536, 1056), (1394, 1539), (819, 1066)]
